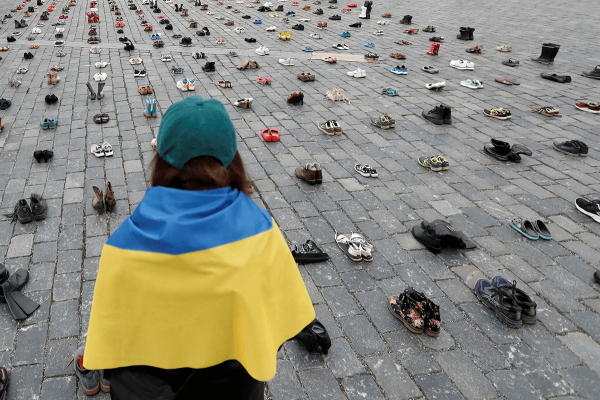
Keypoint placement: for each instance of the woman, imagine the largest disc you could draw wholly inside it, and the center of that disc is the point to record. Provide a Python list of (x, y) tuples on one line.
[(197, 289)]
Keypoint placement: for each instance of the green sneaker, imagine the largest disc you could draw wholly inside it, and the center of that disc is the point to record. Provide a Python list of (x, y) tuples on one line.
[(445, 163), (430, 162), (391, 120), (90, 379), (380, 122), (104, 383)]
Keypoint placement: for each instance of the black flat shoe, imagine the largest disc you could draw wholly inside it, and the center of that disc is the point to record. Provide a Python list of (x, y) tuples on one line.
[(38, 155), (51, 99), (47, 154), (556, 78), (315, 338)]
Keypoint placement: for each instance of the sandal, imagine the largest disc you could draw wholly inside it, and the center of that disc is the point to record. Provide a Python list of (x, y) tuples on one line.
[(22, 70), (504, 48), (349, 248), (106, 147), (266, 134), (511, 62), (402, 42), (525, 228), (225, 84), (547, 111), (505, 81), (264, 81), (389, 92), (398, 56), (330, 60)]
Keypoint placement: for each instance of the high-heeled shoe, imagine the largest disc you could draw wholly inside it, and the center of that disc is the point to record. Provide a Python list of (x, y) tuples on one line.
[(293, 98), (47, 154), (38, 155), (301, 98), (315, 338), (109, 197)]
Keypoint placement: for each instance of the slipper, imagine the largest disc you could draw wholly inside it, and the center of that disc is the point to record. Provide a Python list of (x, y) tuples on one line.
[(266, 134), (542, 230), (525, 228), (274, 135)]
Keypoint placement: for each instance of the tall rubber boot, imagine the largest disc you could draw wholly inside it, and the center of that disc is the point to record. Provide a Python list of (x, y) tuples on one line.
[(148, 111), (154, 112), (92, 94), (100, 87), (432, 51), (549, 51), (363, 13)]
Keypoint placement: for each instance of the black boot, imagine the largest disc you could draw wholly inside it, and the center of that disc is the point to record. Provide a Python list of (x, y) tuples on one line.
[(436, 115), (406, 20), (464, 33), (315, 338), (549, 51), (100, 87), (447, 115), (92, 93), (176, 8), (369, 5), (471, 30)]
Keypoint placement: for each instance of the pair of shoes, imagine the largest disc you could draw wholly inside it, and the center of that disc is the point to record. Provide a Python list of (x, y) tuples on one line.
[(472, 84), (49, 123), (14, 82), (572, 148), (306, 76), (435, 47), (102, 150), (186, 84), (92, 381), (143, 90), (439, 115), (315, 337), (210, 66), (549, 52), (531, 229), (331, 127), (435, 86), (498, 113), (93, 95), (356, 247), (151, 108), (466, 33), (589, 107), (270, 134), (439, 234), (366, 170), (512, 306), (503, 151), (383, 121), (309, 252), (100, 201), (475, 50), (434, 163), (19, 305), (296, 98), (28, 56), (418, 313), (51, 99), (25, 213), (244, 103), (463, 65), (45, 155), (311, 173), (358, 73), (399, 70)]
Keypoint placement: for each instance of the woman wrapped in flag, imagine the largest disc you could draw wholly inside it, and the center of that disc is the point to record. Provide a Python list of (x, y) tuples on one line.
[(197, 289)]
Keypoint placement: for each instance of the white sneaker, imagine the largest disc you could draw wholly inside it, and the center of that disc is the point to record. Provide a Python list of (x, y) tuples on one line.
[(100, 77), (462, 64), (304, 19), (101, 64), (261, 51), (435, 86), (346, 47), (472, 84), (192, 84), (383, 22), (316, 36), (183, 85), (239, 30), (358, 73), (286, 61), (271, 29), (378, 33), (268, 4)]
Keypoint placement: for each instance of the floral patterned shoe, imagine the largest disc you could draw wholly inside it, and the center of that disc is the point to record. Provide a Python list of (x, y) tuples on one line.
[(433, 319), (409, 307)]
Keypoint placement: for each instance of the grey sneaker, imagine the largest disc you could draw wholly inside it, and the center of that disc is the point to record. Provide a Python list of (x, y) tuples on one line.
[(430, 162), (22, 212), (38, 207), (380, 122), (570, 147), (89, 379), (327, 128)]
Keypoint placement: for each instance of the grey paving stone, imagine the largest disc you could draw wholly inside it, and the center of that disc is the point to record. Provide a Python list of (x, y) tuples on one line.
[(59, 354), (477, 347), (25, 382), (414, 357), (31, 341), (59, 388), (363, 336), (340, 301), (375, 303), (439, 386), (285, 385), (321, 384), (472, 383), (582, 345), (554, 352), (394, 380), (342, 359), (489, 324), (513, 385), (584, 381), (362, 387), (301, 358)]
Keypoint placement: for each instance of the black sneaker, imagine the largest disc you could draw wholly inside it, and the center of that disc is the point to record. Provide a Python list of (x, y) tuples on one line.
[(298, 27), (22, 212), (528, 306), (308, 253), (447, 115), (333, 1), (335, 18), (38, 207), (355, 25), (589, 208), (501, 302), (583, 148), (570, 147), (436, 115)]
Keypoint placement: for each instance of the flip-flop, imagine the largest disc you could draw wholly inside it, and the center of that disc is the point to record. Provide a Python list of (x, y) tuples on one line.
[(266, 134), (505, 81), (513, 81)]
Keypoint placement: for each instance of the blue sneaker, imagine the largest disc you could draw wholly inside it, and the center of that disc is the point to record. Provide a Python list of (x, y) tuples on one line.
[(258, 21), (309, 49), (290, 14), (501, 302), (89, 379), (345, 34), (370, 45), (398, 70), (528, 306)]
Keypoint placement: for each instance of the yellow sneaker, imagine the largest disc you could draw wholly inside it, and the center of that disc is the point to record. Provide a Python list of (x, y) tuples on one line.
[(445, 163), (289, 33), (282, 35)]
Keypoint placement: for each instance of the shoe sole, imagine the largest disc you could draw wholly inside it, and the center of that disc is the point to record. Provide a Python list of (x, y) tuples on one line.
[(499, 315), (590, 76), (410, 328), (434, 121), (594, 217), (587, 109), (328, 133), (566, 152)]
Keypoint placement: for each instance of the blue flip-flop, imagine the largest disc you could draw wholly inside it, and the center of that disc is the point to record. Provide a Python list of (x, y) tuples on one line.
[(525, 228)]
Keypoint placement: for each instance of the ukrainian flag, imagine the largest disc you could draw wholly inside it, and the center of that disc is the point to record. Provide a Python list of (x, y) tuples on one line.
[(193, 279)]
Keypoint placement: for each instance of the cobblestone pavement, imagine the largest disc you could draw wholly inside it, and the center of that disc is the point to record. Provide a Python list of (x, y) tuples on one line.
[(373, 356)]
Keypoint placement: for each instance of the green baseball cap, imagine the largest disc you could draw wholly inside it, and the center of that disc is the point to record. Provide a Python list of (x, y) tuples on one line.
[(196, 127)]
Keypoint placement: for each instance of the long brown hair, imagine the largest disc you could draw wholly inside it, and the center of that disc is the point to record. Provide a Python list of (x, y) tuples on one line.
[(201, 173)]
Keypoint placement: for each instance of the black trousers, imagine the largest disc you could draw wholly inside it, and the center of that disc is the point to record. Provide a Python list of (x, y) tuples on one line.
[(226, 381)]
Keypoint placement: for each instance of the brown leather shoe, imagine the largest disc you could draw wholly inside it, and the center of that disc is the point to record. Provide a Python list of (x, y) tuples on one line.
[(109, 197), (308, 173), (98, 201), (319, 173)]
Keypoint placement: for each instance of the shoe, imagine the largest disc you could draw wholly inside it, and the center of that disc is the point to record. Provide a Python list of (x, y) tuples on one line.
[(475, 50), (358, 73), (262, 50), (589, 208), (351, 249), (308, 253), (409, 307), (21, 212), (244, 103), (406, 20), (501, 302), (89, 379), (525, 228), (109, 199), (589, 107), (445, 163), (594, 74), (498, 113), (435, 115), (528, 306), (549, 52), (432, 163), (366, 171), (572, 148), (380, 122), (462, 64), (327, 128), (335, 18), (430, 69), (465, 33), (298, 27), (307, 173), (511, 62), (472, 84), (556, 78), (38, 206), (315, 338), (399, 70)]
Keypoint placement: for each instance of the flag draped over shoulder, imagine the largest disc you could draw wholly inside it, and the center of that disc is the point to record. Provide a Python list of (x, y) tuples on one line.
[(193, 279)]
